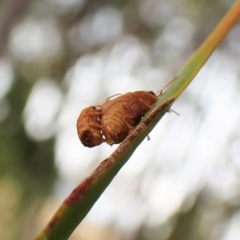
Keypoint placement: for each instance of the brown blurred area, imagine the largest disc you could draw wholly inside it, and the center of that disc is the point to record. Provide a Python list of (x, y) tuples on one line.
[(58, 56)]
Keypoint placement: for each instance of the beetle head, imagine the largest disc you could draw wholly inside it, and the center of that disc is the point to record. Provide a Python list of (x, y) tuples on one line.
[(91, 137)]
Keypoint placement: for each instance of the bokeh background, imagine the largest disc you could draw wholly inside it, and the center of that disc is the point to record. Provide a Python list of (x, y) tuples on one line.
[(60, 56)]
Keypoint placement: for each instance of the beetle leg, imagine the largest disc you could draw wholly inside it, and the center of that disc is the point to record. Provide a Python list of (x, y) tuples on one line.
[(160, 92), (125, 120), (175, 78), (109, 98), (170, 110)]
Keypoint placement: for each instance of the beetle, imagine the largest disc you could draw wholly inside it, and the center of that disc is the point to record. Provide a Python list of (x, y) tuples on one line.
[(112, 121), (89, 128), (120, 115)]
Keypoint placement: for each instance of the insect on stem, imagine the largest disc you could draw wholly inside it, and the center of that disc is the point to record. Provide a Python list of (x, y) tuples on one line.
[(143, 125), (159, 109)]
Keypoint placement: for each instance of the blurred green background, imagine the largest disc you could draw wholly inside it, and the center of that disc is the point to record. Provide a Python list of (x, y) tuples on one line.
[(60, 56)]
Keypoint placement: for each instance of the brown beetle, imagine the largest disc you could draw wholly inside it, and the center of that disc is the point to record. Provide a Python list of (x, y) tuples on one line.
[(120, 115), (89, 128), (115, 118)]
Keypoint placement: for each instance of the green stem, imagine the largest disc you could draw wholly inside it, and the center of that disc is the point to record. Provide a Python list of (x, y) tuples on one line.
[(80, 201), (198, 59)]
